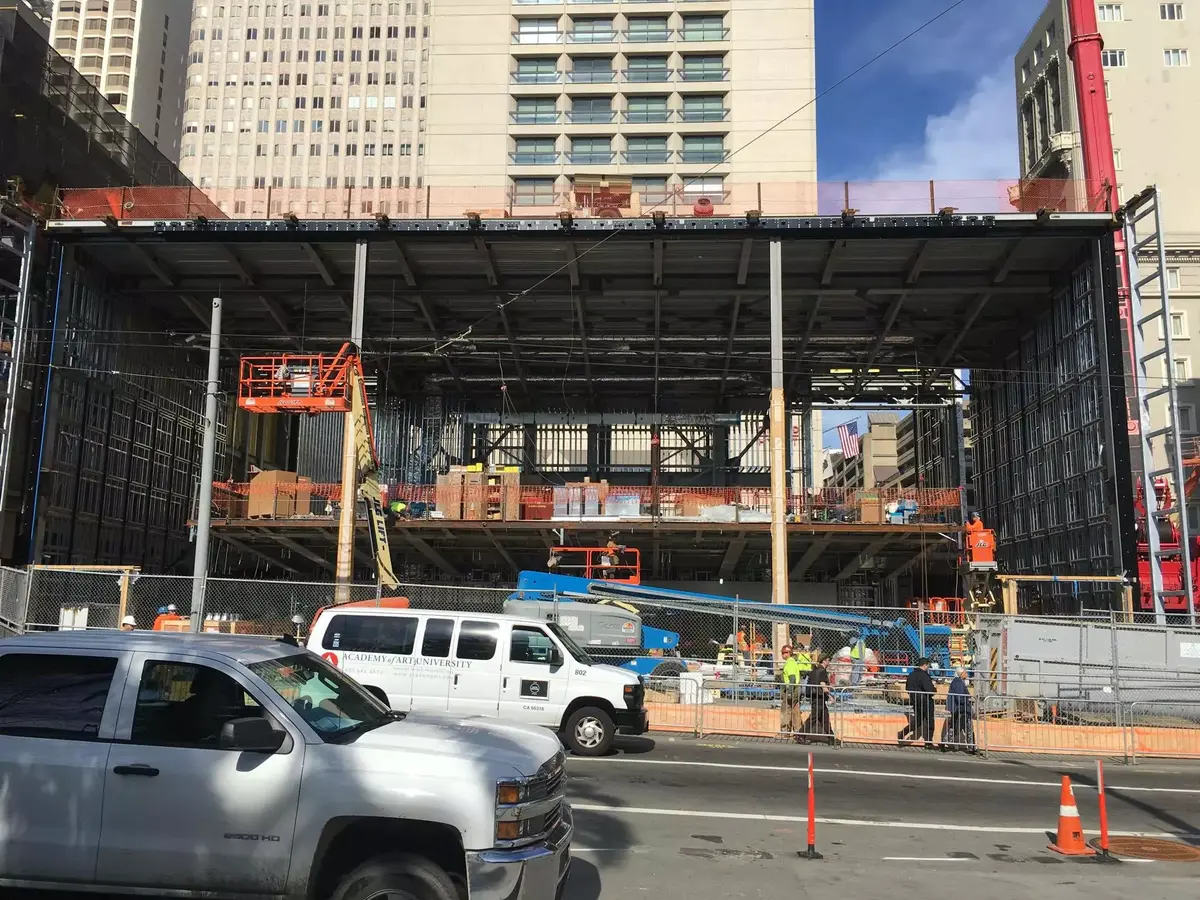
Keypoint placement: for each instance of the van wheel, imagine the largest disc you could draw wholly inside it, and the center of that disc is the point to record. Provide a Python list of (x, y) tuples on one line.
[(590, 731), (400, 877)]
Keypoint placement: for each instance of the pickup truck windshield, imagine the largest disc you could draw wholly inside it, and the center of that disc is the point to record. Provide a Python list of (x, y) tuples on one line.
[(573, 648), (336, 707)]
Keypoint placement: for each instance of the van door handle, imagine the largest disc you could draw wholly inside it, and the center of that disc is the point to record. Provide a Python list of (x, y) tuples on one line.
[(456, 680), (137, 769), (504, 685)]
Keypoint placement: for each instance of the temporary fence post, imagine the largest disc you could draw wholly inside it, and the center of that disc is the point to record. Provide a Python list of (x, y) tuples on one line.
[(1129, 736), (811, 852), (1104, 854)]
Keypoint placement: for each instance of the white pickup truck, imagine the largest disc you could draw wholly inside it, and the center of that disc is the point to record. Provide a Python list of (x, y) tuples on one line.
[(236, 766)]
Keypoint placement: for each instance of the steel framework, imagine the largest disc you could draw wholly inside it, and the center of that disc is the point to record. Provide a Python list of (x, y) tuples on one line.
[(1162, 450)]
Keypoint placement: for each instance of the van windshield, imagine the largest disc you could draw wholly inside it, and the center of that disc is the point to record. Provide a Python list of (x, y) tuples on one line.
[(573, 648)]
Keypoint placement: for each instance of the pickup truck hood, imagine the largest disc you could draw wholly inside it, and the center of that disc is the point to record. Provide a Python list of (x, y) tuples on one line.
[(524, 747)]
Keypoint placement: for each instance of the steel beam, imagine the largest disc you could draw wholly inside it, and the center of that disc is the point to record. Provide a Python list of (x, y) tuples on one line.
[(733, 553), (743, 270), (406, 269), (804, 563), (318, 261), (429, 553), (297, 548), (254, 551), (859, 558), (489, 265)]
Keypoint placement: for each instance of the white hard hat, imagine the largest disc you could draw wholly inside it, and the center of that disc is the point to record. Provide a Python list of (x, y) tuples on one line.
[(129, 620)]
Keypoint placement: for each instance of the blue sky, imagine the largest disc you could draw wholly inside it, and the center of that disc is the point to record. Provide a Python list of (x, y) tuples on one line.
[(940, 106)]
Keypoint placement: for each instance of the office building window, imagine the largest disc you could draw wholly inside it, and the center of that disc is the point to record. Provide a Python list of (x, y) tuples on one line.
[(1112, 59), (1175, 59), (1109, 12), (533, 192), (1170, 12)]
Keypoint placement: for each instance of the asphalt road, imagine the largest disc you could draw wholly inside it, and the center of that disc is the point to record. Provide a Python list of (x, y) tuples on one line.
[(688, 819)]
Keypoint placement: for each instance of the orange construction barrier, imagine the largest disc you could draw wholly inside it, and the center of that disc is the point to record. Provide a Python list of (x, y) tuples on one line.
[(1069, 841)]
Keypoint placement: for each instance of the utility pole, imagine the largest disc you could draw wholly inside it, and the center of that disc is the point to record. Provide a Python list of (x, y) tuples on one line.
[(778, 430), (208, 453), (348, 520)]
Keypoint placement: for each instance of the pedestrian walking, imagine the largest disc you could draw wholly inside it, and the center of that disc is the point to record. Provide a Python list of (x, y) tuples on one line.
[(958, 710), (920, 694), (818, 726), (792, 677)]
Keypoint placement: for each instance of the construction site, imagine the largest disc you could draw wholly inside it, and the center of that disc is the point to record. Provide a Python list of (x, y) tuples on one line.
[(887, 421)]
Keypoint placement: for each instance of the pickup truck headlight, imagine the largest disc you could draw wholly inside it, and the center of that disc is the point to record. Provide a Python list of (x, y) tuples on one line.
[(528, 810)]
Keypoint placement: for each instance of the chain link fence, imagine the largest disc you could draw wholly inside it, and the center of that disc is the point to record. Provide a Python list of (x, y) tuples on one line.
[(14, 588)]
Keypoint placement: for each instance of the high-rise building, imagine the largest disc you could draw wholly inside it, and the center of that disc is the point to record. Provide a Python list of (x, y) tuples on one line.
[(637, 103), (311, 108), (1152, 91), (133, 52)]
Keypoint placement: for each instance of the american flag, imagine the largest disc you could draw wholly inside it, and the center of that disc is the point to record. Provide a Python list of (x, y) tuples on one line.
[(848, 435)]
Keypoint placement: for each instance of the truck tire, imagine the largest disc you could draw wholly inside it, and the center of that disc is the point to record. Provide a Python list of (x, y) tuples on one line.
[(398, 877), (667, 670), (590, 731)]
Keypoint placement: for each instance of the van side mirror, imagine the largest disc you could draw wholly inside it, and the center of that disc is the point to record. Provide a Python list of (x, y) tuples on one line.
[(254, 735), (556, 657)]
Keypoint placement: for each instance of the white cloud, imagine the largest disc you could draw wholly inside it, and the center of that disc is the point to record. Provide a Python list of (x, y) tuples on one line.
[(975, 140)]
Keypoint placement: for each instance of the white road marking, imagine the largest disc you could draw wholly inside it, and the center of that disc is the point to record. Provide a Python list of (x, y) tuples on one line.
[(966, 779), (863, 823), (929, 859)]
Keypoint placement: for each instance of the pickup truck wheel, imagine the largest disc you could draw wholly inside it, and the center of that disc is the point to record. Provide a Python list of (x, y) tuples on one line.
[(401, 877), (590, 731)]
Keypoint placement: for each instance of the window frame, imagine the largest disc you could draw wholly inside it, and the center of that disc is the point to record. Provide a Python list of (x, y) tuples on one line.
[(449, 638), (327, 634), (473, 629), (516, 629), (107, 728)]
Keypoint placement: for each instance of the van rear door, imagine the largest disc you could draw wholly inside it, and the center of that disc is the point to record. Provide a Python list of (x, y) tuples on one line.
[(475, 684), (375, 650), (433, 667)]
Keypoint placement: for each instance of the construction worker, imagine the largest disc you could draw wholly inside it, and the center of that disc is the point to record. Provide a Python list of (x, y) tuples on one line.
[(816, 686), (974, 523), (790, 700), (397, 509), (129, 623), (958, 707), (856, 662), (804, 659)]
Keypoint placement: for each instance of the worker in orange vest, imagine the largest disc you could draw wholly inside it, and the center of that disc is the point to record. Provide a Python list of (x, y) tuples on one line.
[(974, 523)]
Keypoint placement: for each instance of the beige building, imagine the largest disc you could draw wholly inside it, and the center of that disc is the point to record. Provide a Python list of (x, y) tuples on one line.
[(1153, 93), (622, 104), (134, 52), (311, 108)]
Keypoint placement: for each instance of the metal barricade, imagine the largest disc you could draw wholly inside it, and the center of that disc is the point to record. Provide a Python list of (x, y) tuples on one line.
[(1061, 726), (1164, 728)]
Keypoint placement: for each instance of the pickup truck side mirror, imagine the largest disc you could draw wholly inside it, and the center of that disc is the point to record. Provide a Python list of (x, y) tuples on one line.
[(254, 735), (378, 693)]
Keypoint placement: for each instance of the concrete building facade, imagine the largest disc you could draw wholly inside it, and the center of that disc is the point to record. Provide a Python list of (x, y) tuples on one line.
[(1153, 91), (623, 104), (311, 108), (134, 52)]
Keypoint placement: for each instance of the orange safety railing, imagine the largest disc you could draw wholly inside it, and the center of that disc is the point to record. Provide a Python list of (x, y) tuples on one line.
[(599, 563), (268, 497), (585, 201)]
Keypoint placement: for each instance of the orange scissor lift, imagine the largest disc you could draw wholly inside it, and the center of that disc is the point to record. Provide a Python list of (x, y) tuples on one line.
[(313, 383)]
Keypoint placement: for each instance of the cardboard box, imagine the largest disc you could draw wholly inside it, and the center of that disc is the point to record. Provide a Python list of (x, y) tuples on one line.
[(510, 496), (474, 496), (272, 494), (448, 495)]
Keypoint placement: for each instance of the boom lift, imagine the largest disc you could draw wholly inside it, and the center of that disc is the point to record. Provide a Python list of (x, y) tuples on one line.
[(320, 383)]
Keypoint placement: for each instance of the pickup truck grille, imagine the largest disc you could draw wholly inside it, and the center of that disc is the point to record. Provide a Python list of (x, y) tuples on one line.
[(549, 780)]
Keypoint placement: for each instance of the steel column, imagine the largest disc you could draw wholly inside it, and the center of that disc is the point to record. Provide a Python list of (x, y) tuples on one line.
[(207, 458)]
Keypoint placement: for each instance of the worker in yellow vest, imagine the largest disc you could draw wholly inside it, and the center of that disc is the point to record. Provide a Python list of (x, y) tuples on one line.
[(856, 662), (793, 677), (804, 661)]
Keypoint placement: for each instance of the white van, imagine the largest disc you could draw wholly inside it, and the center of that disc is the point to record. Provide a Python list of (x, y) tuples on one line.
[(464, 664)]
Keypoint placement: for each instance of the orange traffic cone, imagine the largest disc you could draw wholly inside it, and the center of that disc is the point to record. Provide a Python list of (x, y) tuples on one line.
[(1069, 841)]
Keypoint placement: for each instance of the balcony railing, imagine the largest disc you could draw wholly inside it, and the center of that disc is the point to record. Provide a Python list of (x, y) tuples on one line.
[(648, 157), (535, 118), (649, 76), (591, 117), (703, 115), (703, 156), (704, 74), (536, 77), (538, 2), (537, 37), (592, 37), (649, 116), (703, 34), (588, 77), (591, 157), (533, 158), (648, 37)]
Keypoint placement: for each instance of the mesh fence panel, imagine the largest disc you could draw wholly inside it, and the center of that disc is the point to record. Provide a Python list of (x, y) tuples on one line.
[(14, 584)]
